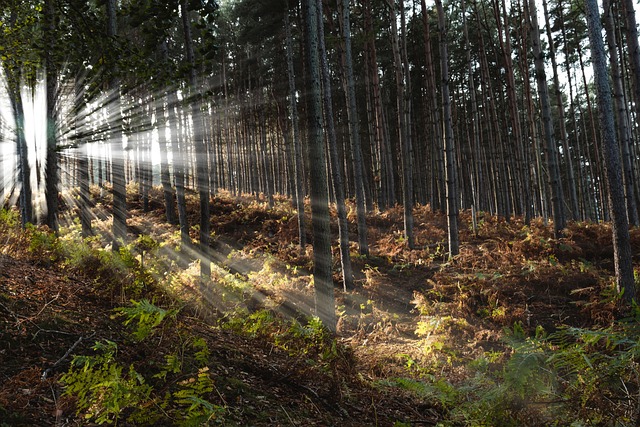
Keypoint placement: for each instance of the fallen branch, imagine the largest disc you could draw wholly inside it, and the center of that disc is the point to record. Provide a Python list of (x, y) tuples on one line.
[(62, 359)]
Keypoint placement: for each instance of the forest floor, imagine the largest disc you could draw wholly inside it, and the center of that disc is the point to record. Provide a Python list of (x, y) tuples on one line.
[(415, 318)]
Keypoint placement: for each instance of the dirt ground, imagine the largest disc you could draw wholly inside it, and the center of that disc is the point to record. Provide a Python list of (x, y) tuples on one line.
[(409, 308)]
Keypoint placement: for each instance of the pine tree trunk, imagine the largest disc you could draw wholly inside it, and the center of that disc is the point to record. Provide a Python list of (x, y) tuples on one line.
[(624, 131), (475, 167), (621, 240), (201, 162), (334, 161), (323, 283), (162, 119), (449, 149), (117, 152), (551, 151), (24, 170), (402, 126), (51, 191), (571, 181), (354, 131), (297, 148)]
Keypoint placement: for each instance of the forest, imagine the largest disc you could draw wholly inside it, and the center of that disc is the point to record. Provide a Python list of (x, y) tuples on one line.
[(319, 212)]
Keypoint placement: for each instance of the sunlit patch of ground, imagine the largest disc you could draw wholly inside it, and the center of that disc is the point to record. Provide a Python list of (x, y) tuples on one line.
[(412, 313)]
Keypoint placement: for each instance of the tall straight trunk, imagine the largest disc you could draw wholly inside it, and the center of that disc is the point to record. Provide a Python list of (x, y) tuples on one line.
[(449, 149), (402, 126), (178, 159), (571, 180), (354, 131), (202, 163), (504, 36), (633, 48), (24, 170), (624, 131), (83, 161), (551, 150), (162, 119), (431, 104), (611, 153), (387, 178), (323, 283), (475, 170), (51, 189), (594, 160), (297, 148), (334, 161), (117, 152)]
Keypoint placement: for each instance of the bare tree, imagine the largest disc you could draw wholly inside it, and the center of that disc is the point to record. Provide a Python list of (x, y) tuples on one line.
[(611, 153)]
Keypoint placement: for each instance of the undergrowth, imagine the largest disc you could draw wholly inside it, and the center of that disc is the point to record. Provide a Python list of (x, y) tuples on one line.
[(574, 376), (178, 388)]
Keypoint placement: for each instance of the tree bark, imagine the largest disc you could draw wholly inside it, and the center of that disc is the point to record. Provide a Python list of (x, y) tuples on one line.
[(334, 162), (611, 153), (323, 283), (51, 180), (297, 148), (354, 131), (624, 131), (117, 152), (402, 125), (551, 150), (202, 163), (449, 149)]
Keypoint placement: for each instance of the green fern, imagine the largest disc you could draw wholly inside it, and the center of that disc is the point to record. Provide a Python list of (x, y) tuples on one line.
[(101, 388), (147, 315)]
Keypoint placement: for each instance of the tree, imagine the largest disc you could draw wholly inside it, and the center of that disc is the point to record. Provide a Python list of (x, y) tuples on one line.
[(551, 150), (202, 166), (621, 116), (323, 283), (19, 66), (117, 152), (51, 192), (354, 131), (334, 161), (621, 240), (449, 152), (403, 117), (297, 148)]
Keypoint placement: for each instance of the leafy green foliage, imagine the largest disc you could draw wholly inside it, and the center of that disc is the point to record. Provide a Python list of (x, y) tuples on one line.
[(107, 391), (146, 315), (43, 244), (101, 388)]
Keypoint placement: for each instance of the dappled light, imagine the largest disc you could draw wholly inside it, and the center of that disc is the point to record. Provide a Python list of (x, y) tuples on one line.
[(314, 213)]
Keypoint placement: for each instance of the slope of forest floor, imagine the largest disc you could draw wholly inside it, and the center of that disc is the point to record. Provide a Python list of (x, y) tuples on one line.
[(421, 339)]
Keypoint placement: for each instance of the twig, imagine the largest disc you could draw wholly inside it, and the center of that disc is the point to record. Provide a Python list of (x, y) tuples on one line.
[(15, 316), (59, 362), (287, 414), (46, 305)]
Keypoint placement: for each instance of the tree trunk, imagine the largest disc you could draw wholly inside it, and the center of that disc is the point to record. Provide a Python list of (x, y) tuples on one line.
[(162, 119), (403, 126), (51, 191), (571, 184), (354, 131), (621, 241), (323, 283), (117, 152), (551, 151), (336, 168), (449, 149), (202, 163), (624, 131), (297, 148)]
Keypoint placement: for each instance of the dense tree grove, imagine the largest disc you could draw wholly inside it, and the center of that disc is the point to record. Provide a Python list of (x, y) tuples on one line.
[(487, 105)]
